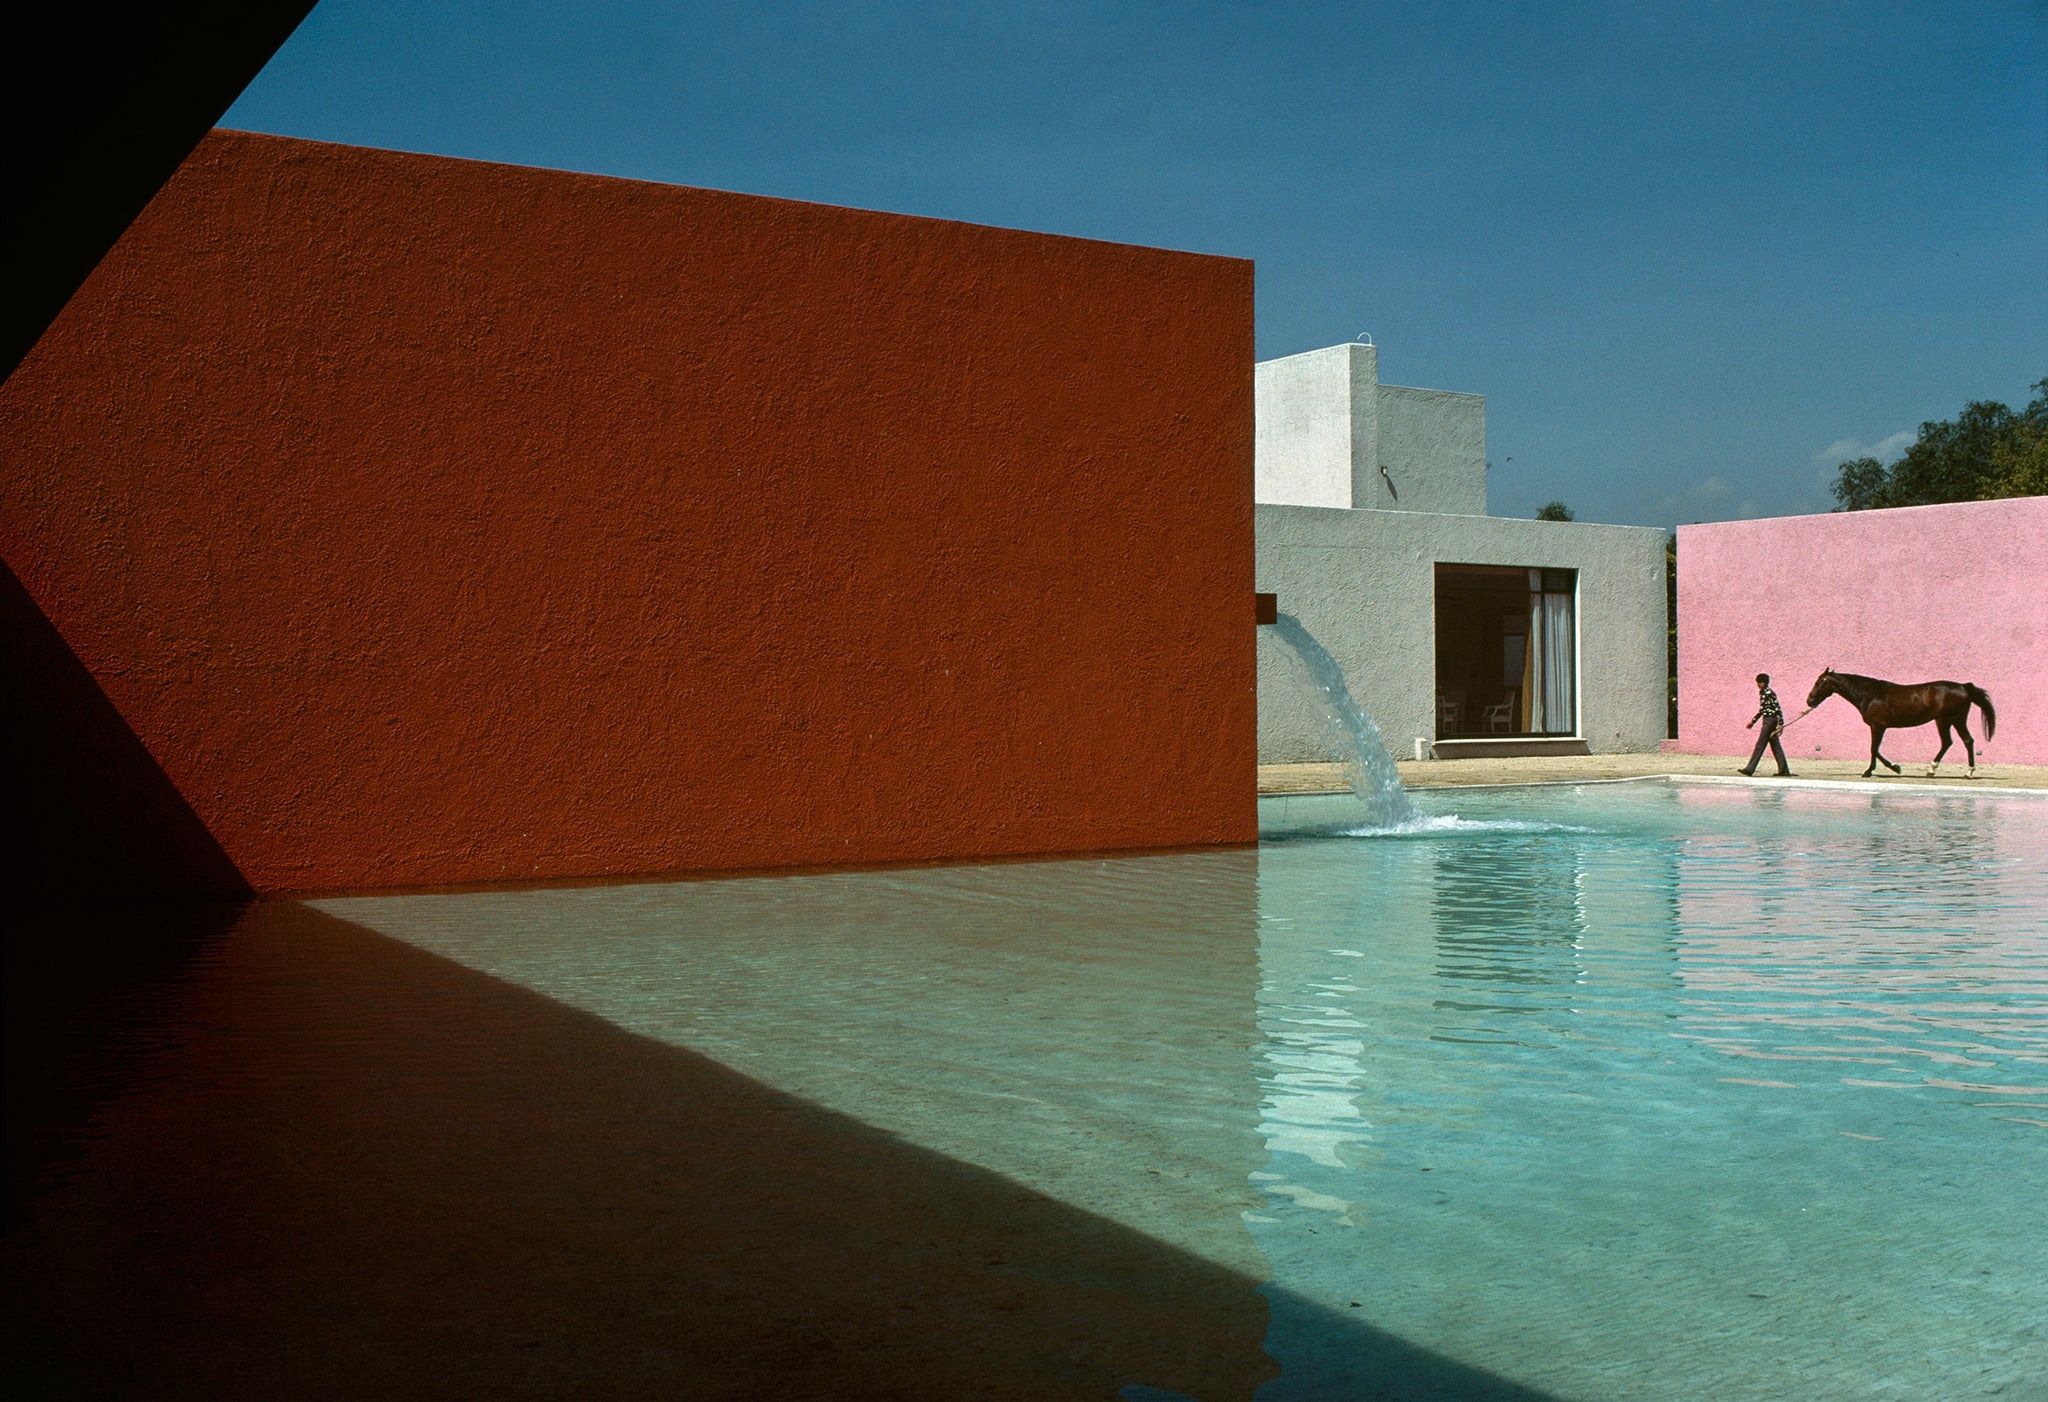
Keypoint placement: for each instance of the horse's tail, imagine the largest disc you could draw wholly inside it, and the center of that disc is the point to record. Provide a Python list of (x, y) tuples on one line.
[(1983, 699)]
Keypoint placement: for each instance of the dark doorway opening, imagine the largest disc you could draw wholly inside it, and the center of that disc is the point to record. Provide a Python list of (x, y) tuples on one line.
[(1506, 652)]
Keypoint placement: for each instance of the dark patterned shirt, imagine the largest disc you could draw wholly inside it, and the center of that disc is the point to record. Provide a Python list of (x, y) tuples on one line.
[(1768, 710)]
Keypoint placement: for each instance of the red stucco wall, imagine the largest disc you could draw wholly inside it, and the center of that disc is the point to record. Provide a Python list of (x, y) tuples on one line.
[(431, 521)]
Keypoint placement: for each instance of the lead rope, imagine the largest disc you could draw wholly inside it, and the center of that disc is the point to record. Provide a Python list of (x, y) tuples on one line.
[(1796, 719)]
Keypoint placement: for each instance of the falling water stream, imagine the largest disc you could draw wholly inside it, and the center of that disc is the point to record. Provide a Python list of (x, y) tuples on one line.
[(1368, 765)]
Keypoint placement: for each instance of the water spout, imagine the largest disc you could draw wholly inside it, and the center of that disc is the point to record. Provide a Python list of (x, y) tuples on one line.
[(1367, 763)]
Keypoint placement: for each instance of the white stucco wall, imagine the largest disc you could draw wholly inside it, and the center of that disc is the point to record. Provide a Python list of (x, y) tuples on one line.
[(1316, 422), (1432, 444), (1364, 583)]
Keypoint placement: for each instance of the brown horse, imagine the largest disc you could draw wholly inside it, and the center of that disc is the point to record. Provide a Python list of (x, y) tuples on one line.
[(1891, 706)]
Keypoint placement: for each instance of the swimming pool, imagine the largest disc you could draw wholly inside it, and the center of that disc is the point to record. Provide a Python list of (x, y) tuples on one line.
[(1616, 1091), (1665, 1090)]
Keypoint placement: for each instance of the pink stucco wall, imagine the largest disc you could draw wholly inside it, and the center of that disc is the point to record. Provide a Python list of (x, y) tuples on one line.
[(1957, 593)]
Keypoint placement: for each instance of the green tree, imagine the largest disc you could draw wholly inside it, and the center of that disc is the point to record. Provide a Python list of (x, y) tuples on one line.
[(2019, 465), (1554, 511), (1984, 452)]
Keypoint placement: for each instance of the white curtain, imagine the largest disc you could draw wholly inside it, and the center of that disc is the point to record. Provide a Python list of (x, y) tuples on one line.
[(1560, 715)]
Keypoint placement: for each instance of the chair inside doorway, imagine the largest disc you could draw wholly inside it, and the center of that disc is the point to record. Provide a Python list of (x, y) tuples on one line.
[(1506, 651)]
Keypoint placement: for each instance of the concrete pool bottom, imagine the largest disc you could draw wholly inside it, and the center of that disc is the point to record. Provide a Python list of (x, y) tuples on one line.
[(325, 1162), (340, 1166), (1003, 1157)]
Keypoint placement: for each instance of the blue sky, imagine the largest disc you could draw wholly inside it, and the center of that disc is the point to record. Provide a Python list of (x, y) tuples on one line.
[(1693, 254)]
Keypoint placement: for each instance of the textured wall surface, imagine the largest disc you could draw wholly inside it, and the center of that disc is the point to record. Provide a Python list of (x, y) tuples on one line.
[(1922, 593), (1364, 583), (431, 521), (1432, 442), (1318, 427), (1327, 427)]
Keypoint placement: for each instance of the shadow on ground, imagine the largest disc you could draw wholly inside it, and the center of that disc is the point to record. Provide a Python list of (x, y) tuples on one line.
[(312, 1161)]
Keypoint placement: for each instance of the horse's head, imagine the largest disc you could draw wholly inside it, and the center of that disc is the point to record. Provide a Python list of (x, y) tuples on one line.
[(1823, 687)]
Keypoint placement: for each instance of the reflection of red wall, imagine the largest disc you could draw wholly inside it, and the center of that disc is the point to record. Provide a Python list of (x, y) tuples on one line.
[(431, 521)]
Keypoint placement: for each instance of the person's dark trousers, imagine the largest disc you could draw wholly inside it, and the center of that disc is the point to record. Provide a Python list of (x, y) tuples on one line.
[(1770, 738)]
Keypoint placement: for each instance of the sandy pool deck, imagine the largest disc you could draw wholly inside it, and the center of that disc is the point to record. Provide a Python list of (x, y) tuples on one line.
[(1568, 769)]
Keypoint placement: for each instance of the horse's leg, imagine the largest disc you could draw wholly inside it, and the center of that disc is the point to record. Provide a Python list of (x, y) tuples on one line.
[(1877, 738), (1969, 746), (1946, 740)]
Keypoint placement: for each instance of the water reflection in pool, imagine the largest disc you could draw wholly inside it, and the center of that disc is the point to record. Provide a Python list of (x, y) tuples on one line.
[(1619, 1092), (1723, 1097)]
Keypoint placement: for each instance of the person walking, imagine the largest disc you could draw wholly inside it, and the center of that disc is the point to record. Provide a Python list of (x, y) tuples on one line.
[(1773, 716)]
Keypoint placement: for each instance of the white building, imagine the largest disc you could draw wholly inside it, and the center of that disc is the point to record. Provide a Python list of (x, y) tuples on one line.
[(1478, 634)]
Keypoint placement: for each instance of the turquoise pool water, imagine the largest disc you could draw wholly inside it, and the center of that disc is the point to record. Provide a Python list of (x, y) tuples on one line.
[(1661, 1091), (1619, 1091)]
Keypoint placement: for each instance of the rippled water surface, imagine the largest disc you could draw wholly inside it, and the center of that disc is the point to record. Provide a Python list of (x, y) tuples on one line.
[(1622, 1091), (1660, 1091)]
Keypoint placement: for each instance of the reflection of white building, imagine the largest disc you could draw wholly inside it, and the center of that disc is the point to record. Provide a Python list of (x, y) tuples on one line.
[(1478, 633)]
